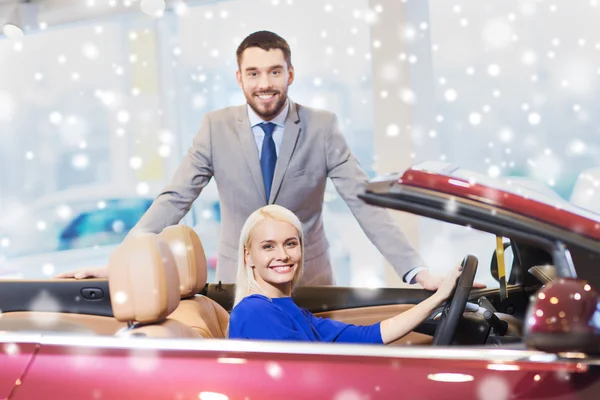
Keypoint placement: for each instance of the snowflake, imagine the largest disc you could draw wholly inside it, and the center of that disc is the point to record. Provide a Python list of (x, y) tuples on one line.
[(534, 118), (450, 95), (494, 70), (144, 360), (392, 130), (474, 119), (274, 370)]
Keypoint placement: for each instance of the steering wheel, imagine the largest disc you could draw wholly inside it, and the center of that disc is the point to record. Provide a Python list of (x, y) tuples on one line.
[(456, 303)]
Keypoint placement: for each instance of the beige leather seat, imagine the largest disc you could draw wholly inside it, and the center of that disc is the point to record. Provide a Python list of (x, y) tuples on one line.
[(144, 288), (204, 315)]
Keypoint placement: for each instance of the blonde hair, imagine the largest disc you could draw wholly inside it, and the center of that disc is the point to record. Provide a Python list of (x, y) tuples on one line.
[(245, 283)]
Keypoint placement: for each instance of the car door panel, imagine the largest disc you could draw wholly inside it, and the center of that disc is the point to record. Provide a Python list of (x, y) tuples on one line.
[(87, 296), (372, 315), (226, 369), (57, 302), (15, 357), (80, 324), (328, 298)]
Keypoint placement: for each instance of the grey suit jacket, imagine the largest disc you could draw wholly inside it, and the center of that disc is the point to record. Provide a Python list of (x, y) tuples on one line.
[(313, 149)]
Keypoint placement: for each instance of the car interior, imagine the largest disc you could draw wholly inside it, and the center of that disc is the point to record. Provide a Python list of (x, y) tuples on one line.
[(153, 305)]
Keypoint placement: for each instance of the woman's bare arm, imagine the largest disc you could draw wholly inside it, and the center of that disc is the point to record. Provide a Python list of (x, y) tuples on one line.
[(396, 327)]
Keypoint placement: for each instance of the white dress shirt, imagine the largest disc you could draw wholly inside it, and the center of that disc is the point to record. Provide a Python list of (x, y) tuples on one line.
[(259, 134)]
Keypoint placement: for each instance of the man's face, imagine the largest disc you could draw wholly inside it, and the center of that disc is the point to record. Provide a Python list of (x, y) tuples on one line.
[(264, 76)]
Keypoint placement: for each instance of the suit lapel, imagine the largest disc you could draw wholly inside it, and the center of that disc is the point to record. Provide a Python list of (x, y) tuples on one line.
[(290, 137), (250, 150)]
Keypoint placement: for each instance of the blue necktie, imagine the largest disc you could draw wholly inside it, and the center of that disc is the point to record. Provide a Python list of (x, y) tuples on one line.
[(268, 157)]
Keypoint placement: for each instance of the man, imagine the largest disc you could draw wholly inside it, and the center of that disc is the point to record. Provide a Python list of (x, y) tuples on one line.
[(274, 151)]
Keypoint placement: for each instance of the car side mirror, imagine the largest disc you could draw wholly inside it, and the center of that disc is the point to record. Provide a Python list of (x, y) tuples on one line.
[(564, 317)]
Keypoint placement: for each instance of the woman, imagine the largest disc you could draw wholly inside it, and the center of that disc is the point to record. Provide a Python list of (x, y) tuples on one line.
[(270, 265)]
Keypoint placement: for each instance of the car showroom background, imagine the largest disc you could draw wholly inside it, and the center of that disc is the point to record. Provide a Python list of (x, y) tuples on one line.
[(100, 100)]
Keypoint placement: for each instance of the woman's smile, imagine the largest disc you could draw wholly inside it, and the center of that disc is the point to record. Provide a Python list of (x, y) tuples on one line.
[(282, 268)]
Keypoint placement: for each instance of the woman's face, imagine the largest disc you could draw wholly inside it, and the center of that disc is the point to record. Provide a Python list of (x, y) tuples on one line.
[(274, 253)]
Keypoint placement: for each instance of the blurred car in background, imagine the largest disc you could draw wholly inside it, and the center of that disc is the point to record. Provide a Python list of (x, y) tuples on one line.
[(74, 228)]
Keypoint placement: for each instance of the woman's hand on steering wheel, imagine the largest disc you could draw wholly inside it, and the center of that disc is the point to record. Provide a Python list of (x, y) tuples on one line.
[(448, 284), (457, 300)]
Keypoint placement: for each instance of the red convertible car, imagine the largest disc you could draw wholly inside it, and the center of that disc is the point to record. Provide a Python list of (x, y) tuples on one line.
[(158, 331)]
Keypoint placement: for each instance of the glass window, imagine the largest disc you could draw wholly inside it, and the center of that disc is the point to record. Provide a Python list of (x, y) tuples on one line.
[(450, 243), (82, 152), (519, 86), (110, 105)]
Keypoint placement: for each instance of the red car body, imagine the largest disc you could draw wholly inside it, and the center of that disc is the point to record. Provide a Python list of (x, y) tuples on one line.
[(152, 369), (41, 365)]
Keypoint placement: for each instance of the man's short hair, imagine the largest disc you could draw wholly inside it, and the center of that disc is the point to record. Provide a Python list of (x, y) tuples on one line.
[(265, 40)]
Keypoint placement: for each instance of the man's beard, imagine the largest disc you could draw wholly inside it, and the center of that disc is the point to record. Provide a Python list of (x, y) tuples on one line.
[(254, 104)]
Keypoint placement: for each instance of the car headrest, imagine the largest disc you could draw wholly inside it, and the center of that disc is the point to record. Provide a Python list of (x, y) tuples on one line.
[(143, 280), (544, 273), (189, 256)]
